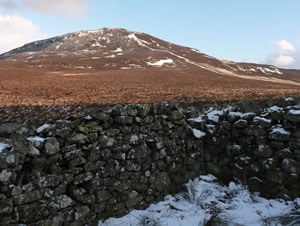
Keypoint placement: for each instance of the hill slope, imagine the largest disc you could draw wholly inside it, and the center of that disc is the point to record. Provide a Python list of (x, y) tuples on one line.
[(115, 48), (114, 65)]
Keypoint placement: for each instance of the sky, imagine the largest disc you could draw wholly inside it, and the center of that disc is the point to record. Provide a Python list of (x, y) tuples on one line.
[(259, 31)]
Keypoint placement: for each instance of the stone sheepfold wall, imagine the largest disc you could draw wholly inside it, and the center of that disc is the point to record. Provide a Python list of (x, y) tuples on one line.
[(88, 168)]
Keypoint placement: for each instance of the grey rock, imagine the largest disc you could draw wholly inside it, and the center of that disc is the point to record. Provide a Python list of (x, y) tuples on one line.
[(162, 182), (62, 202), (5, 175), (83, 196), (28, 197), (107, 141), (234, 150), (133, 199), (263, 151), (52, 146), (82, 178), (9, 128), (291, 166), (255, 130), (78, 139), (293, 117), (33, 151), (279, 136), (103, 196), (240, 124)]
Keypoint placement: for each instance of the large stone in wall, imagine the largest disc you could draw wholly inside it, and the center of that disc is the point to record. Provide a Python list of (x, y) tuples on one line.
[(279, 134), (162, 182), (294, 115), (291, 166), (9, 128), (263, 151), (52, 146)]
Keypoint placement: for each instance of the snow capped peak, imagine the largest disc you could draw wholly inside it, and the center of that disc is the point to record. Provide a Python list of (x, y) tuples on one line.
[(123, 48)]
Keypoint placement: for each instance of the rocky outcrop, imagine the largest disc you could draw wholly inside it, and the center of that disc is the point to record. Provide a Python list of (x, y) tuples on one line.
[(83, 169)]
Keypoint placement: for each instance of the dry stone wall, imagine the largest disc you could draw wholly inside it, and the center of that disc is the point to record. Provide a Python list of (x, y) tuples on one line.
[(83, 169)]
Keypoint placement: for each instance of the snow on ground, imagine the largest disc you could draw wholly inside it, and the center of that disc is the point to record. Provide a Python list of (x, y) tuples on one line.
[(275, 108), (257, 119), (198, 119), (214, 115), (42, 128), (3, 146), (118, 50), (161, 62), (294, 112), (196, 50), (198, 133), (111, 56), (36, 139), (97, 44), (264, 70), (138, 41), (206, 200), (279, 129)]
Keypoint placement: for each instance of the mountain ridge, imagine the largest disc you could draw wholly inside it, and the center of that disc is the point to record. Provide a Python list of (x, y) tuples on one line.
[(114, 65), (118, 48)]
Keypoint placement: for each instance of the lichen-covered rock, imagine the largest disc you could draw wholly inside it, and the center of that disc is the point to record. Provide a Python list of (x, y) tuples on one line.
[(103, 195), (83, 196), (134, 198), (291, 166), (5, 176), (48, 181), (162, 182), (61, 202), (82, 178), (9, 128), (28, 197), (107, 141), (83, 215), (78, 139), (52, 146)]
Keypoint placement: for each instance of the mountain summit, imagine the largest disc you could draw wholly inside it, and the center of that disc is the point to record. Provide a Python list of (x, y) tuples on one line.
[(117, 48), (110, 49)]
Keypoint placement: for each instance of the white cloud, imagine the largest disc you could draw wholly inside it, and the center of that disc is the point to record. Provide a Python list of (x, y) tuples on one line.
[(16, 31), (8, 5), (283, 60), (286, 55), (65, 8), (284, 46)]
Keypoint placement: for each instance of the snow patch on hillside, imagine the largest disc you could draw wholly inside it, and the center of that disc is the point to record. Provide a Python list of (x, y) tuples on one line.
[(118, 50), (264, 70), (161, 62)]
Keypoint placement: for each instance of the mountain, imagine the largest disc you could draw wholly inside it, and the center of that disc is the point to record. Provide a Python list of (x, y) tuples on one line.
[(116, 48), (114, 65)]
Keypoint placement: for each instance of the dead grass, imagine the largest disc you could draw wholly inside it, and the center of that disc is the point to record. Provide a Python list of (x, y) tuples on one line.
[(24, 88)]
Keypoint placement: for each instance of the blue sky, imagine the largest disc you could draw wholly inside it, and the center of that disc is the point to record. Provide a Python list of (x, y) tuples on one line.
[(265, 31)]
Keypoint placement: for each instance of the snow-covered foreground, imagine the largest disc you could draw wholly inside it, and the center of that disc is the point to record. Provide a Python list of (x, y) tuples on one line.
[(206, 200)]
